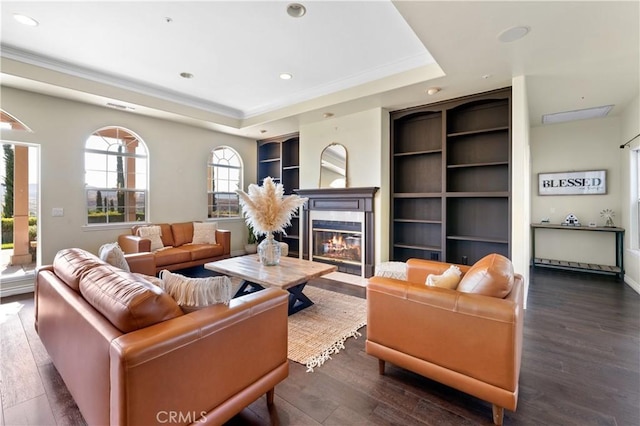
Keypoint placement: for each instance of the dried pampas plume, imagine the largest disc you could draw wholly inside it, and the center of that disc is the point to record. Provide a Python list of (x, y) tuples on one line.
[(266, 208)]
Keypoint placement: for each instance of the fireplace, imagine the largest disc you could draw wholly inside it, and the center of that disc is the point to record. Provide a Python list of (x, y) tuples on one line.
[(339, 243), (337, 228)]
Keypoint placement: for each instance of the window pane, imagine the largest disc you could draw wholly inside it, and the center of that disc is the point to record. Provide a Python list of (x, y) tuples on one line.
[(120, 165), (223, 173), (95, 142), (93, 161), (225, 167), (95, 179)]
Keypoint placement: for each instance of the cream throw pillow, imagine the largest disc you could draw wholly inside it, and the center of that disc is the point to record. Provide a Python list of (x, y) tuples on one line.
[(113, 255), (449, 278), (196, 293), (204, 232), (154, 233)]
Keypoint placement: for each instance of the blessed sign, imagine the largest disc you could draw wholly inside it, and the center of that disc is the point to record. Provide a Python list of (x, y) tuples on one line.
[(573, 183)]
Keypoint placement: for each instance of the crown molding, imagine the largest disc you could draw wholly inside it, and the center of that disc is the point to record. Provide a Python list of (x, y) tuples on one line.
[(31, 58)]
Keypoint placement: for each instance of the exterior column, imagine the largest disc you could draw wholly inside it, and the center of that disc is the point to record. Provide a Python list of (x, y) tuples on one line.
[(130, 181), (21, 255)]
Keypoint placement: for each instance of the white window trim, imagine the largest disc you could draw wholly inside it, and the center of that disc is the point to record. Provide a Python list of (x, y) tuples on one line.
[(210, 163), (118, 225)]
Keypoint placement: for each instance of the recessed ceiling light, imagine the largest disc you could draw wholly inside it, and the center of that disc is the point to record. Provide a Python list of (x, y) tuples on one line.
[(186, 75), (296, 10), (327, 115), (513, 34), (580, 114), (263, 131), (286, 76), (432, 90), (486, 76), (25, 20)]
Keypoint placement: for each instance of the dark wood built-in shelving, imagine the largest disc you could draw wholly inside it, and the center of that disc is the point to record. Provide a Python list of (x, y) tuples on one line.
[(451, 179), (279, 158)]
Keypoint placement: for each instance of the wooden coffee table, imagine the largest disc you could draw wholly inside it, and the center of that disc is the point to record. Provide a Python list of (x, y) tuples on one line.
[(292, 275)]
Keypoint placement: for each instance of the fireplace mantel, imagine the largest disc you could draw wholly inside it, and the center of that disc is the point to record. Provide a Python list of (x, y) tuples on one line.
[(342, 200)]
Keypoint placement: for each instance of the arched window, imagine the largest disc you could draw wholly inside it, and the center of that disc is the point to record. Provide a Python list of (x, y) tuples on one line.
[(9, 122), (224, 176), (115, 165)]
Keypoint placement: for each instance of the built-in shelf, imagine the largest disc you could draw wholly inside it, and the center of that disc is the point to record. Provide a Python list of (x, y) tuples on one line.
[(416, 221), (279, 158), (451, 179), (478, 239), (431, 151), (417, 195), (497, 163), (496, 194), (416, 247), (477, 132)]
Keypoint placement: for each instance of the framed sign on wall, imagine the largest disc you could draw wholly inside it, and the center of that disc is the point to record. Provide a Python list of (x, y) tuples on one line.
[(573, 183)]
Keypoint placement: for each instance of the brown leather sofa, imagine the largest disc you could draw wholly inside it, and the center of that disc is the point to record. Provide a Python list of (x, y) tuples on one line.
[(471, 342), (129, 356), (178, 251)]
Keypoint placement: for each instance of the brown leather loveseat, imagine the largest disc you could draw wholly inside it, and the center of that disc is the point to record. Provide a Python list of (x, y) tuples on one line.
[(177, 250), (129, 356), (469, 338)]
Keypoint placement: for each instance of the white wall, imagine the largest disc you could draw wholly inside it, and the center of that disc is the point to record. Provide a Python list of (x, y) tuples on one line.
[(520, 181), (578, 145), (178, 156), (630, 127), (366, 137)]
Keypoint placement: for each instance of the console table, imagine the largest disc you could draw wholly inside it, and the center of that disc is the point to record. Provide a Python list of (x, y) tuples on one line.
[(617, 270)]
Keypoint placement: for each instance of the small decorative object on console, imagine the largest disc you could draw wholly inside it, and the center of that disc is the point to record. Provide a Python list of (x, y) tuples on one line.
[(571, 220), (267, 210), (608, 215)]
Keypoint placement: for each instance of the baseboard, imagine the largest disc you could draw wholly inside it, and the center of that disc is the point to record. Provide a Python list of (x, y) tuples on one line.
[(14, 287), (631, 283)]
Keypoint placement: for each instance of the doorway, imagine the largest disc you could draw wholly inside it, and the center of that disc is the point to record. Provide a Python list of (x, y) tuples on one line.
[(19, 198)]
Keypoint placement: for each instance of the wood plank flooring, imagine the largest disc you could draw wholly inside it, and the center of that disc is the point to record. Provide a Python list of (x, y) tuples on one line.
[(580, 366)]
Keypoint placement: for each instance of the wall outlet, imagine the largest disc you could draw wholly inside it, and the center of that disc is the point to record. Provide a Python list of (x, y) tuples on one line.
[(57, 212)]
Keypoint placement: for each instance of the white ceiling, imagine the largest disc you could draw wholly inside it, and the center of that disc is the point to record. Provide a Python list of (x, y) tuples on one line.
[(344, 56)]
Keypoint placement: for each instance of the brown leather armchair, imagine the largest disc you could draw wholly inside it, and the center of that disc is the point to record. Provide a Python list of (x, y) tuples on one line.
[(469, 338)]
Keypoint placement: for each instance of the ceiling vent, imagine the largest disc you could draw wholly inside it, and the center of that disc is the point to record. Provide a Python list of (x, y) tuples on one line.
[(579, 114)]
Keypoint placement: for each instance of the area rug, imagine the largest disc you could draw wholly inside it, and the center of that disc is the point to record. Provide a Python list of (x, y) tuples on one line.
[(319, 331)]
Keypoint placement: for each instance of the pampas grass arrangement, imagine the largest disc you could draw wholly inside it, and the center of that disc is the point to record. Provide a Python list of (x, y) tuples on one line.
[(266, 209)]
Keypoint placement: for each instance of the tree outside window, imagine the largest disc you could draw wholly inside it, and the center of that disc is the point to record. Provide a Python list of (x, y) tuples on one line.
[(116, 165), (224, 176)]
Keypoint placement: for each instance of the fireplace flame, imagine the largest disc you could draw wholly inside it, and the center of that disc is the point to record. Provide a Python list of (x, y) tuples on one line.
[(338, 247)]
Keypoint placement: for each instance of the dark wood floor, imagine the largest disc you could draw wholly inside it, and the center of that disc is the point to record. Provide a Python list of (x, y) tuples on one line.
[(580, 367)]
